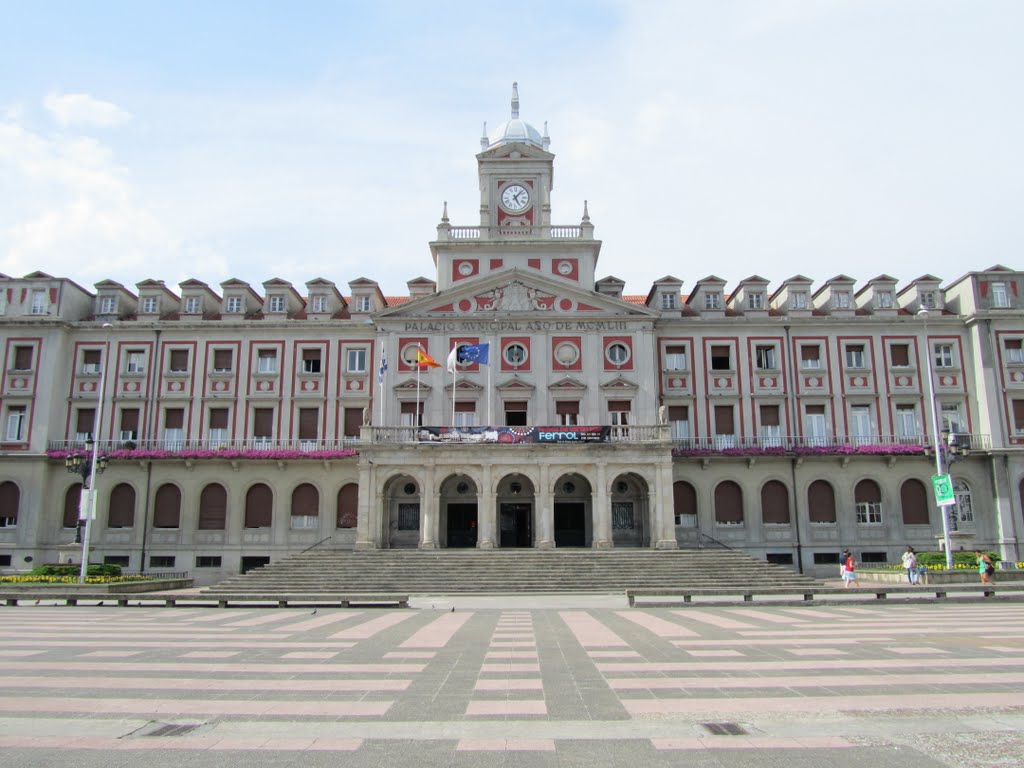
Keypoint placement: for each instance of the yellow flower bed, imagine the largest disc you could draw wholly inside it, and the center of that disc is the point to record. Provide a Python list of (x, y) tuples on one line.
[(69, 579)]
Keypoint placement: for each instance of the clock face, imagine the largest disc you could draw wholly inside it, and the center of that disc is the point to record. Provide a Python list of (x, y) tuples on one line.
[(515, 197)]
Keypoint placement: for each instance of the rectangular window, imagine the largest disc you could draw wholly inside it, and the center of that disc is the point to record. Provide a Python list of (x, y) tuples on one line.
[(207, 561), (15, 424), (266, 361), (174, 428), (91, 359), (860, 425), (568, 412), (465, 413), (263, 424), (841, 300), (85, 419), (815, 428), (233, 305), (799, 300), (712, 301), (725, 428), (720, 357), (927, 299), (679, 420), (129, 424), (309, 427), (353, 422), (755, 301), (135, 361), (179, 361), (770, 429), (193, 305), (899, 355), (363, 304), (311, 361), (855, 356), (1018, 417), (1014, 351), (408, 517), (668, 301), (1000, 297), (150, 305), (764, 357), (355, 361), (884, 300), (619, 417), (869, 513), (810, 356), (906, 423), (161, 561), (943, 356), (223, 360), (409, 417), (676, 358), (218, 426), (276, 304), (23, 358), (951, 421), (40, 303), (108, 305), (318, 304)]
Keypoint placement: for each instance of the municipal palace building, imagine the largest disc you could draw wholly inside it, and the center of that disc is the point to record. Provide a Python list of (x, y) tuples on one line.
[(786, 416)]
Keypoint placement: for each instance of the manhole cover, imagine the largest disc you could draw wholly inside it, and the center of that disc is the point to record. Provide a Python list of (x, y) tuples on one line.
[(725, 729)]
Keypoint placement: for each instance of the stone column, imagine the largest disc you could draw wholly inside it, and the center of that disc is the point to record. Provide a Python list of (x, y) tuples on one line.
[(486, 511), (662, 512), (602, 510), (544, 511), (371, 510), (429, 511)]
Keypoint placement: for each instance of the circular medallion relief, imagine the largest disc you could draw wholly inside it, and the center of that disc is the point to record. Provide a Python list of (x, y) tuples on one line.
[(567, 353), (564, 268), (465, 268)]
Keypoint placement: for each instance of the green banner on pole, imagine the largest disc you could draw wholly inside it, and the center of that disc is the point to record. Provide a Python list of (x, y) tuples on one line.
[(943, 485)]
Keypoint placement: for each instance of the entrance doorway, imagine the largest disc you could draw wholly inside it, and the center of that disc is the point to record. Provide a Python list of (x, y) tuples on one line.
[(570, 524), (252, 562), (461, 528), (516, 525)]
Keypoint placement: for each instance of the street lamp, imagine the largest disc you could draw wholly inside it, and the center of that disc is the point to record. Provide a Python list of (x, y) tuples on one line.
[(81, 464), (91, 465), (943, 509)]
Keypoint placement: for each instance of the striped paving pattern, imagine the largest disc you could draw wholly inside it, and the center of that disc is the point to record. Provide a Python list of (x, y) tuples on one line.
[(477, 682)]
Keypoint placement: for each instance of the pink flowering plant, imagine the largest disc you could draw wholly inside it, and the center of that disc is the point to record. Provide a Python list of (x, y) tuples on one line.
[(805, 450), (220, 453)]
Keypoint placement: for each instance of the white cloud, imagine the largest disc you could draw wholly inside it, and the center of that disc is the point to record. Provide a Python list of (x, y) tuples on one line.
[(81, 108)]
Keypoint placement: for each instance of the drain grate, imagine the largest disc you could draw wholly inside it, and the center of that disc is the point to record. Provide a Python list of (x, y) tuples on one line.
[(725, 729), (172, 729)]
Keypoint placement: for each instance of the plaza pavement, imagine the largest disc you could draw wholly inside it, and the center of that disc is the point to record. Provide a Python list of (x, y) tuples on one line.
[(516, 681)]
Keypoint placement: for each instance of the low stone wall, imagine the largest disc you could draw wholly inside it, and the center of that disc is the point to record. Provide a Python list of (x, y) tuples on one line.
[(122, 587), (959, 576)]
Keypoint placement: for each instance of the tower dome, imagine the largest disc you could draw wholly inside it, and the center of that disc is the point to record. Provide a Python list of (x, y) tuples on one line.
[(515, 129)]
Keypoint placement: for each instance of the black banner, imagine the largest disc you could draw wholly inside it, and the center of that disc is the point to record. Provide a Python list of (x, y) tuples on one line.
[(511, 435)]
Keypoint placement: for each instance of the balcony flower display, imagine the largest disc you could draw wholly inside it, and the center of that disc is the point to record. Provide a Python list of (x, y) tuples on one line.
[(219, 453), (890, 449)]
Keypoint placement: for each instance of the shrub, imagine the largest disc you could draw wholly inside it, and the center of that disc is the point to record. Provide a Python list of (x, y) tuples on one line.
[(960, 559), (75, 570)]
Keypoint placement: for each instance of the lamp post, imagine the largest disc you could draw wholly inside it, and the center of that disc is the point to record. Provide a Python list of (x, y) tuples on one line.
[(90, 465), (943, 509), (86, 465)]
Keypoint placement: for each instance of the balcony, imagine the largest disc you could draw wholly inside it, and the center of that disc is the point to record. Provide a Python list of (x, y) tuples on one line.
[(563, 435), (538, 232), (803, 445), (251, 448)]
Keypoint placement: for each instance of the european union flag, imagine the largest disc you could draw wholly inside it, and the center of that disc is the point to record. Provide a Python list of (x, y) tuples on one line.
[(474, 353)]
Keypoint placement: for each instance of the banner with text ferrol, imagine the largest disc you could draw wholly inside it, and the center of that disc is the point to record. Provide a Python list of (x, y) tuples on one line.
[(514, 434)]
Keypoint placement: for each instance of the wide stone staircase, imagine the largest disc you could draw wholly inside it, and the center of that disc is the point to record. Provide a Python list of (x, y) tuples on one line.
[(504, 571)]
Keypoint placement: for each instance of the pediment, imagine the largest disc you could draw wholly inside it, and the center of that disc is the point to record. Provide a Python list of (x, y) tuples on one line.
[(411, 385), (515, 384), (567, 384), (515, 292), (466, 387), (515, 150), (619, 384)]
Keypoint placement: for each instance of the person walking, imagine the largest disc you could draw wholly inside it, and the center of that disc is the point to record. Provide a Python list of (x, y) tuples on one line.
[(842, 563), (910, 563), (985, 567), (850, 572)]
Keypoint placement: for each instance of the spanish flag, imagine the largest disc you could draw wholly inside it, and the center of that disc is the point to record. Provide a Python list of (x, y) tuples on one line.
[(423, 360)]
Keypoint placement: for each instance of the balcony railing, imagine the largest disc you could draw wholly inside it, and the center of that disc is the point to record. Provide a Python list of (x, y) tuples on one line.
[(248, 448), (883, 445), (539, 232), (642, 433)]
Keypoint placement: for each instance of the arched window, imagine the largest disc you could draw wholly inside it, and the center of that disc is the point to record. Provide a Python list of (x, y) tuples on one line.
[(914, 503), (728, 504), (72, 498), (259, 506), (821, 502), (774, 503), (684, 504), (305, 507), (213, 508), (868, 498), (121, 512), (348, 506), (167, 507), (964, 503), (10, 498)]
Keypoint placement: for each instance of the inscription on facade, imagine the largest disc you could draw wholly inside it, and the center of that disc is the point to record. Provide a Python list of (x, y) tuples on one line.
[(500, 326)]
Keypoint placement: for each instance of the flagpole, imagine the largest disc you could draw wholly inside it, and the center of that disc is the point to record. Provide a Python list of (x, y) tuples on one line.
[(416, 416), (455, 378), (489, 415)]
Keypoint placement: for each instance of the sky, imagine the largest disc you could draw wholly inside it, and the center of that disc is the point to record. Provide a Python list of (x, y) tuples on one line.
[(257, 140)]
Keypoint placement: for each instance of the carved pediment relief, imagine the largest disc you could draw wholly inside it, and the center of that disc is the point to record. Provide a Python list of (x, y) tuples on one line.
[(515, 384), (567, 384), (409, 385), (619, 384)]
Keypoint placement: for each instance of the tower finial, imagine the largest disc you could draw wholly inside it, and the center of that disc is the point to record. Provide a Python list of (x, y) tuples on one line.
[(586, 212), (444, 213), (484, 143), (515, 100)]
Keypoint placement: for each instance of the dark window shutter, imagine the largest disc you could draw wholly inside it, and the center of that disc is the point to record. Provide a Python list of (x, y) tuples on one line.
[(354, 421), (305, 501), (218, 418), (1018, 414), (815, 410), (867, 491), (900, 354), (567, 407), (10, 500), (914, 502), (308, 418), (179, 360), (91, 357), (679, 413), (23, 358), (769, 415), (174, 418), (130, 420), (728, 503), (809, 352), (121, 513), (684, 498), (259, 505), (519, 406), (348, 506), (222, 359), (72, 499), (724, 420), (213, 508), (774, 502), (263, 422), (821, 502), (167, 507), (86, 420)]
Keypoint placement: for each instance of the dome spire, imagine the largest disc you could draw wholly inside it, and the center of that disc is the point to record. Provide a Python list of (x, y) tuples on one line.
[(515, 101)]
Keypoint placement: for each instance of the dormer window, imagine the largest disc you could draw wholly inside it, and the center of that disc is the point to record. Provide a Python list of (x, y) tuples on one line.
[(712, 301), (928, 299), (150, 305), (363, 304), (755, 301), (1000, 297), (233, 305), (108, 305), (40, 303), (193, 305), (842, 300), (668, 301), (318, 304), (885, 300), (275, 304), (799, 300)]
